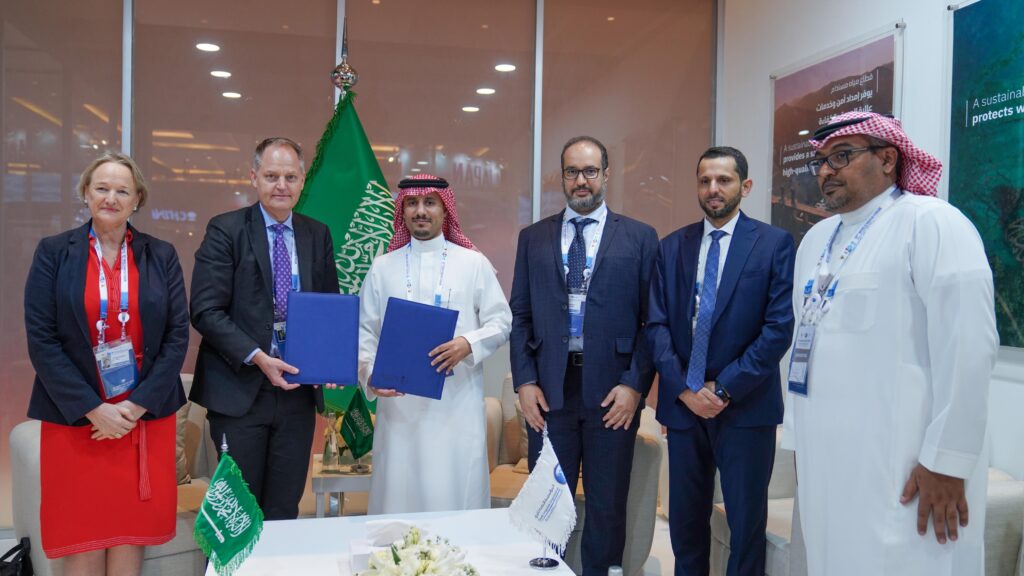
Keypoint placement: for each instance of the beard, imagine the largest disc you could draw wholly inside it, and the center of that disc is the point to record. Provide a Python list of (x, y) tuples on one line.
[(587, 204), (725, 210)]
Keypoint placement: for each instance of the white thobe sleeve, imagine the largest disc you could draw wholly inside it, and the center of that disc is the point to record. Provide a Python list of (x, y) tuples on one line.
[(952, 277), (493, 313), (371, 316)]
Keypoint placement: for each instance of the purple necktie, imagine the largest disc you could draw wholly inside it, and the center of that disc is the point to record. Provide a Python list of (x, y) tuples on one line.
[(282, 273)]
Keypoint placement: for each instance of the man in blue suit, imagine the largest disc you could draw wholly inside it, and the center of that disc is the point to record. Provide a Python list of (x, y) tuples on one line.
[(579, 299), (720, 320)]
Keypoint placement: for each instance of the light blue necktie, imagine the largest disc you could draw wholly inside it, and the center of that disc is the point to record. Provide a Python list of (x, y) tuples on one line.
[(695, 372)]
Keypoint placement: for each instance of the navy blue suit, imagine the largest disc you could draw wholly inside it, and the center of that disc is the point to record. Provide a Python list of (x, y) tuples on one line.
[(752, 327), (59, 337), (613, 351)]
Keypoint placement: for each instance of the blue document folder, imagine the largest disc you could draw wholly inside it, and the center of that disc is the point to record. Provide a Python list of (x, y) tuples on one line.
[(410, 331), (322, 338)]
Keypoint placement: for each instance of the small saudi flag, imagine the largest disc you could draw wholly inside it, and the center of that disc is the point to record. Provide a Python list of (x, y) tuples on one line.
[(230, 521), (357, 427), (345, 189)]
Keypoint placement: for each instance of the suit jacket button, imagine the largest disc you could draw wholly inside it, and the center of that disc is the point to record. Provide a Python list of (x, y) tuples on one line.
[(565, 306), (266, 326), (565, 338)]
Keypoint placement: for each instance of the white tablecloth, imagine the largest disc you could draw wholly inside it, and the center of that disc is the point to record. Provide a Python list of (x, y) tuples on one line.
[(320, 546)]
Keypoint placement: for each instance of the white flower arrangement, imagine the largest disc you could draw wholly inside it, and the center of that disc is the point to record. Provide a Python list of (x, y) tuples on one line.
[(414, 555)]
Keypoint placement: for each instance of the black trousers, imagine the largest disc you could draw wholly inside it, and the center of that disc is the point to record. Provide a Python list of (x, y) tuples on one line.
[(578, 435), (271, 444)]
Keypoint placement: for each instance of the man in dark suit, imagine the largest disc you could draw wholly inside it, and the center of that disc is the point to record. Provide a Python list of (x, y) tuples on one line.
[(247, 263), (579, 299), (721, 318)]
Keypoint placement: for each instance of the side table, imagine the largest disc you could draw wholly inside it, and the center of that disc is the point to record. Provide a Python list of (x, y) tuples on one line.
[(324, 485)]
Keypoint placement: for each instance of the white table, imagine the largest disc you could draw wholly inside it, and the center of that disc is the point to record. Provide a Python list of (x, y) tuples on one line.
[(324, 485), (320, 546)]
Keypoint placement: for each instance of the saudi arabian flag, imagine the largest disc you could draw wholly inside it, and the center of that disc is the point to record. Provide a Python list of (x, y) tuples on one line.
[(230, 521), (345, 189), (357, 427)]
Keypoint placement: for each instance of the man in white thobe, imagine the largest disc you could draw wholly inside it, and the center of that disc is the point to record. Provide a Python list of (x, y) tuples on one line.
[(895, 343), (431, 455)]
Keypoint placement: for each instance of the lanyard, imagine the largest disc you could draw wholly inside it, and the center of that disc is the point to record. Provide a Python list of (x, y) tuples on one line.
[(122, 317), (591, 248), (820, 289), (440, 279)]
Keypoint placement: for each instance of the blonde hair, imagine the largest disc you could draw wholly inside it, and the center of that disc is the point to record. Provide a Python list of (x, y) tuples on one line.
[(117, 158)]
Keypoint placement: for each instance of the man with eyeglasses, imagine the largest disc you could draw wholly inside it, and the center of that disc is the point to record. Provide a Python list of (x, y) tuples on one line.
[(720, 320), (248, 262), (894, 347), (579, 363)]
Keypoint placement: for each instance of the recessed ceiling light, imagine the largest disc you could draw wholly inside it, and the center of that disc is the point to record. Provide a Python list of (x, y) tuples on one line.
[(485, 91), (803, 132), (484, 26), (505, 67), (611, 18), (207, 47), (220, 74), (415, 170), (470, 109), (391, 159), (375, 2), (422, 162), (231, 95)]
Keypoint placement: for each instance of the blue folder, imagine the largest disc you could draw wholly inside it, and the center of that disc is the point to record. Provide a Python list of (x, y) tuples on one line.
[(322, 338), (410, 331)]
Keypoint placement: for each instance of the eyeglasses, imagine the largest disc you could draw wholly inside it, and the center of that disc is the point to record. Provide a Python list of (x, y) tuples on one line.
[(590, 172), (838, 160)]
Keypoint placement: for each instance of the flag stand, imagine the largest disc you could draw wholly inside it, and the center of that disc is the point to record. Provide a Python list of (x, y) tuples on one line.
[(359, 467), (543, 562)]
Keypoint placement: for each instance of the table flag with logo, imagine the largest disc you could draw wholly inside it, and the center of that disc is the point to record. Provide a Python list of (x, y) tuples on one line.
[(230, 521), (357, 427), (545, 508)]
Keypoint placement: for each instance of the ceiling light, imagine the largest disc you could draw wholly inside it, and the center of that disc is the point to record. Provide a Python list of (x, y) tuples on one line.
[(375, 2), (505, 67), (485, 91), (207, 47), (415, 170), (422, 162), (231, 95), (391, 159), (470, 109), (173, 134), (97, 112), (220, 74), (611, 18), (804, 132)]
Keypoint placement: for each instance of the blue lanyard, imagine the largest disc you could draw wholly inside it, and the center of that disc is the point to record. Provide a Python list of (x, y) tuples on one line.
[(817, 302), (123, 316)]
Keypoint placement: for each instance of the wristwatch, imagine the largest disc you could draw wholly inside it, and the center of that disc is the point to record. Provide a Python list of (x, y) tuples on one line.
[(722, 393)]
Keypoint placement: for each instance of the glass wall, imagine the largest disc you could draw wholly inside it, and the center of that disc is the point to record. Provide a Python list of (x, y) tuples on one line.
[(445, 88), (432, 101), (194, 132), (639, 77), (61, 103)]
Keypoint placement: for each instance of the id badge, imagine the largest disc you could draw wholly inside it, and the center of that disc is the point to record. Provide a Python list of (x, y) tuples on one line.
[(800, 360), (280, 333), (577, 309), (116, 363)]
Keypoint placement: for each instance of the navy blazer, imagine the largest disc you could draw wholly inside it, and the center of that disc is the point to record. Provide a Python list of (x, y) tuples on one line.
[(59, 337), (233, 302), (613, 345), (751, 329)]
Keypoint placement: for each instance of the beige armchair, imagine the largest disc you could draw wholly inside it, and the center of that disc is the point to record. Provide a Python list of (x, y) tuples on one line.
[(197, 460), (508, 460)]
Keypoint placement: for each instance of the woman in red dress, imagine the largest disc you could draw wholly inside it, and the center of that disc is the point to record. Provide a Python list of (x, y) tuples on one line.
[(107, 328)]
